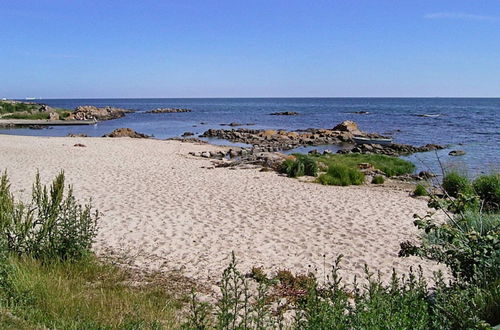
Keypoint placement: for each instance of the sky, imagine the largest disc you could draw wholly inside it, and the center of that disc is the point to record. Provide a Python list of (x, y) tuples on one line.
[(249, 48)]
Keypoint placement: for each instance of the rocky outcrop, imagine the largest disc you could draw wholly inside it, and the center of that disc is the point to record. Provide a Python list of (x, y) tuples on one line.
[(285, 113), (126, 132), (456, 153), (277, 140), (168, 110), (394, 149), (77, 135), (234, 124), (348, 126), (88, 112)]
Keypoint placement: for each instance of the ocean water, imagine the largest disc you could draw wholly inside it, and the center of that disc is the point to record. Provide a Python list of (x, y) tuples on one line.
[(469, 124)]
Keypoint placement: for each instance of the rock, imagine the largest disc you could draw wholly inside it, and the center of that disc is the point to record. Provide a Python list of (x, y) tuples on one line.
[(205, 154), (360, 112), (79, 145), (347, 126), (88, 112), (426, 175), (126, 132), (365, 166), (314, 152), (46, 108), (456, 153), (188, 140), (187, 134), (168, 110), (285, 113), (327, 152), (268, 133), (53, 116), (77, 135)]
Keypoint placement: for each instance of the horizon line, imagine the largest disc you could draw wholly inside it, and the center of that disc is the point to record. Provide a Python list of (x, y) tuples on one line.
[(254, 97)]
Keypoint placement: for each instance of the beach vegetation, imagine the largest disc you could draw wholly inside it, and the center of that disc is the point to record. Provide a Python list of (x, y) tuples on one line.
[(299, 165), (378, 179), (341, 175), (455, 183), (53, 225), (420, 190), (50, 279), (391, 166), (27, 115), (487, 187)]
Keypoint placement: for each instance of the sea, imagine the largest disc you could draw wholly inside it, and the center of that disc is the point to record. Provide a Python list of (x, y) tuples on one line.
[(468, 124)]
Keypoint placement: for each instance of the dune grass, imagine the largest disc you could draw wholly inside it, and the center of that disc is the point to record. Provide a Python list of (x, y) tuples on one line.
[(391, 166), (85, 294)]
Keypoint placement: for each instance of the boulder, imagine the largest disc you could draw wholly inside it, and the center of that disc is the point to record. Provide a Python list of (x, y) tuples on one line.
[(285, 113), (126, 132), (347, 126), (53, 116), (456, 153), (168, 110), (187, 134), (88, 112)]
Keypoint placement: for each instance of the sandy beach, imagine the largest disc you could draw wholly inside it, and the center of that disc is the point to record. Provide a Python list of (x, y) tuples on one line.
[(163, 210)]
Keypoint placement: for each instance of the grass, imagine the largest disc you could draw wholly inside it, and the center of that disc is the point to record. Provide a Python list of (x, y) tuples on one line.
[(391, 166), (33, 116), (342, 170), (341, 175), (8, 107), (86, 294), (378, 179), (420, 191)]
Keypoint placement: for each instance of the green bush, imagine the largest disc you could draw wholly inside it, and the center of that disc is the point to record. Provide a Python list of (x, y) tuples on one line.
[(404, 303), (341, 175), (488, 189), (420, 191), (52, 226), (302, 165), (378, 179), (454, 183)]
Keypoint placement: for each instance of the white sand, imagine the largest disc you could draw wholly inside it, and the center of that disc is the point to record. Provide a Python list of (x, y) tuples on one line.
[(163, 211)]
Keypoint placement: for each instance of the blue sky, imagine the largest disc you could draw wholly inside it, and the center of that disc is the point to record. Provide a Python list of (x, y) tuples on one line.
[(253, 48)]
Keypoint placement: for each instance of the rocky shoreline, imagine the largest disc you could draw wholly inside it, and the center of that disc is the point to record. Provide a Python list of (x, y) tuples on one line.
[(169, 110), (343, 133)]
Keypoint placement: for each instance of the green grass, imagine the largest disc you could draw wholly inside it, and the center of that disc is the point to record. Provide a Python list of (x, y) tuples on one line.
[(487, 187), (7, 107), (391, 166), (341, 175), (455, 183), (85, 294), (33, 116), (420, 191), (378, 179)]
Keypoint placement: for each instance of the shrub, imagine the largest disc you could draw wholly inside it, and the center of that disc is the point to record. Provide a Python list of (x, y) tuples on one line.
[(378, 179), (488, 189), (404, 303), (302, 165), (341, 175), (420, 191), (51, 226), (454, 183)]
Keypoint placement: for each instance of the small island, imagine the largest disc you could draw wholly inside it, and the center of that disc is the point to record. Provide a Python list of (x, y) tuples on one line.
[(21, 114)]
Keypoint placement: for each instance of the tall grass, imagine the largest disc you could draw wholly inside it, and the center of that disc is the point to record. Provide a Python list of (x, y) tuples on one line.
[(341, 175), (85, 294), (52, 225), (391, 166)]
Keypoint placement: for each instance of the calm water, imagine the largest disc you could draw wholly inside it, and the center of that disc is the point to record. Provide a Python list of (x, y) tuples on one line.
[(471, 125)]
